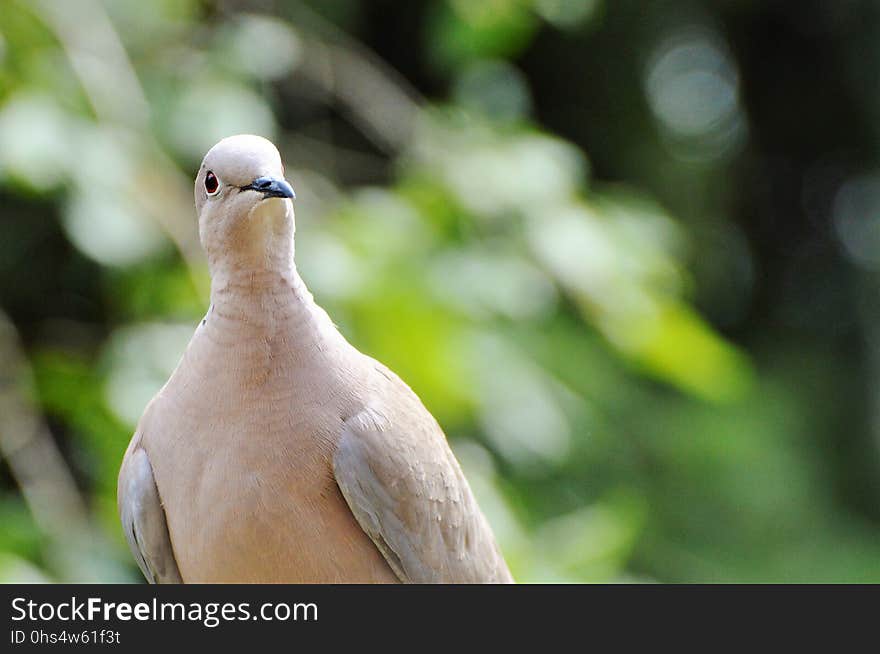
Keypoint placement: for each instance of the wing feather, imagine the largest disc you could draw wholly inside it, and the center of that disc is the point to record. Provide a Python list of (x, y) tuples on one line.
[(408, 493), (143, 520)]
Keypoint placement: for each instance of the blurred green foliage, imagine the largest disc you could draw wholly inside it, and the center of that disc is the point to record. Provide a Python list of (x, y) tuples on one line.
[(621, 250)]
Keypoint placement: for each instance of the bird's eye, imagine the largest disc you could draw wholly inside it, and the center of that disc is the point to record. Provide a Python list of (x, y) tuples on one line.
[(212, 184)]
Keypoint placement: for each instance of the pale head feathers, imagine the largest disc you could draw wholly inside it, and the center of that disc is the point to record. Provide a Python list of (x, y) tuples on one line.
[(241, 228)]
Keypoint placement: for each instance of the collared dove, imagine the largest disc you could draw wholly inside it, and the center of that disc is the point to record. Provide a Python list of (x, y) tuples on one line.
[(277, 452)]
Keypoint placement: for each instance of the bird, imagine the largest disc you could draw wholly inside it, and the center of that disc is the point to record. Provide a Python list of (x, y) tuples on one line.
[(277, 452)]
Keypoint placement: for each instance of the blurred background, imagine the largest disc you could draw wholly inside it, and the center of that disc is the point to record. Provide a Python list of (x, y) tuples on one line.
[(626, 252)]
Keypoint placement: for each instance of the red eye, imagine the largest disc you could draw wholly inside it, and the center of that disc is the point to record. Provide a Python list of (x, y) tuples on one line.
[(212, 184)]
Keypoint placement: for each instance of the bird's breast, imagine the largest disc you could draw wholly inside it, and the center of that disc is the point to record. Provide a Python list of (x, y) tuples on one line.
[(242, 446)]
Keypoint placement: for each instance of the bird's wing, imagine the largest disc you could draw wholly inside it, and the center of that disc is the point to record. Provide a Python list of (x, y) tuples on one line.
[(143, 519), (407, 491)]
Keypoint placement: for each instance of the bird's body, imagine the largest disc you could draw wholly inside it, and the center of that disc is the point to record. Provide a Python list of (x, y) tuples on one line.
[(239, 401), (277, 452)]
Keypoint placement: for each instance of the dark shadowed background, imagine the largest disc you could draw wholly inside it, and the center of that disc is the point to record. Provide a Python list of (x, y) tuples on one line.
[(627, 253)]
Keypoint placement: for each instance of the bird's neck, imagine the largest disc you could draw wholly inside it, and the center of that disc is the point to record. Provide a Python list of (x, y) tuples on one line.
[(256, 291), (261, 297), (253, 252)]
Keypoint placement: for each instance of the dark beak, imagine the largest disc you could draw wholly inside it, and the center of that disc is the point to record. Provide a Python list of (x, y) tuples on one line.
[(271, 188)]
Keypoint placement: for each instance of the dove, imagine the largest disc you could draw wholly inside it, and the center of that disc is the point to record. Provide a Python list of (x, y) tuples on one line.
[(277, 452)]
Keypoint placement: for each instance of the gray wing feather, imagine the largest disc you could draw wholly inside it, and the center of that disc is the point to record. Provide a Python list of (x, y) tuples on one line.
[(143, 520), (407, 492)]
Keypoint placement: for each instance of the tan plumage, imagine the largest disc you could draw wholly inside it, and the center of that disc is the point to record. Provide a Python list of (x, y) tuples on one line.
[(277, 452)]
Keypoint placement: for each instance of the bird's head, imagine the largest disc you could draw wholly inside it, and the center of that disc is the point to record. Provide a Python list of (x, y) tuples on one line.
[(244, 204)]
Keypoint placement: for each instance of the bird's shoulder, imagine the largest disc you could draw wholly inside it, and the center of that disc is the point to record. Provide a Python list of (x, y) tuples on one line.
[(391, 413)]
